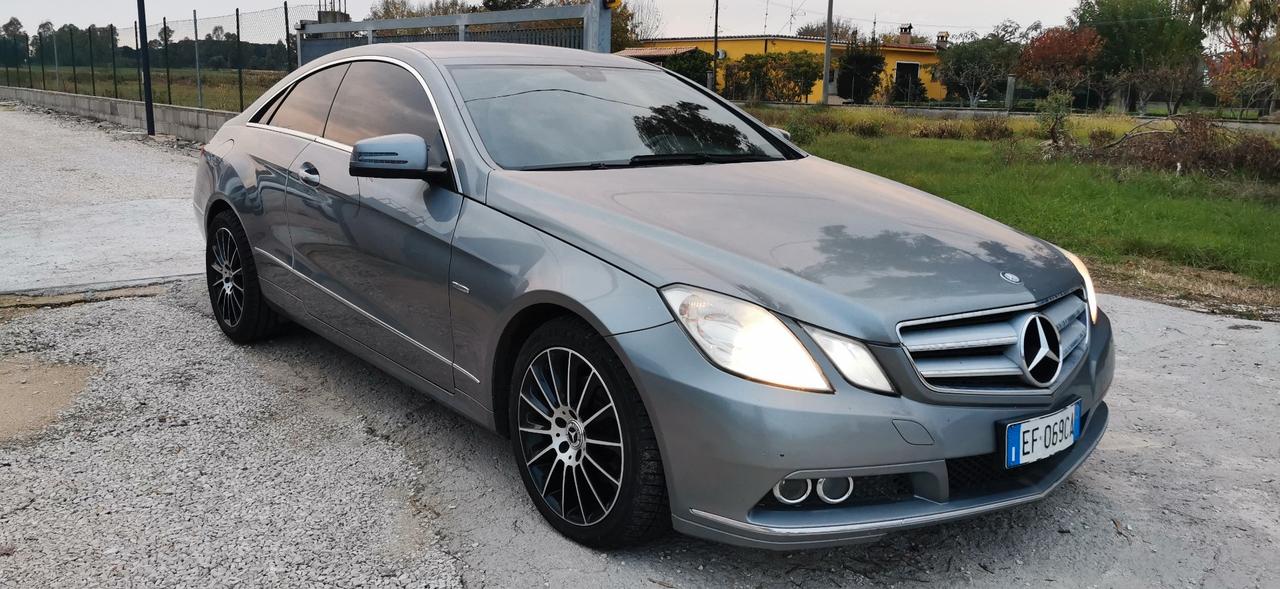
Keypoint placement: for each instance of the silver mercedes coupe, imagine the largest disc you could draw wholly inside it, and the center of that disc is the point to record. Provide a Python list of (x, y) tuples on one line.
[(677, 316)]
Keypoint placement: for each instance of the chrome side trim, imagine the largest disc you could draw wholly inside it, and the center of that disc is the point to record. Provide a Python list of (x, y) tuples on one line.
[(435, 108), (366, 314)]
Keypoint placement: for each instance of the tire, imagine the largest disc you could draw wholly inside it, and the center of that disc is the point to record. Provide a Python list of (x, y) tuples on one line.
[(588, 456), (232, 276)]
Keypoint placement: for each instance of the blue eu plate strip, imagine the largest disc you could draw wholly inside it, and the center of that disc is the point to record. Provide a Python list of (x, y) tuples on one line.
[(1075, 424), (1012, 436)]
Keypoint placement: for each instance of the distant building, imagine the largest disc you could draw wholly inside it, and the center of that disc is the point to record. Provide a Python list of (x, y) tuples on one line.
[(903, 58)]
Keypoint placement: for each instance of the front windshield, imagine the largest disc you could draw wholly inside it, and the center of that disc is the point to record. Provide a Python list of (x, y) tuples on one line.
[(549, 117)]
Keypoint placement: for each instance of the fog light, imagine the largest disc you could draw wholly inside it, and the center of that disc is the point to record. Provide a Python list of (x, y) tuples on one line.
[(834, 491), (792, 491)]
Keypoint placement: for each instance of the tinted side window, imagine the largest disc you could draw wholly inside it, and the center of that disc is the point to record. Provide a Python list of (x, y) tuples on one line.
[(379, 98), (307, 105)]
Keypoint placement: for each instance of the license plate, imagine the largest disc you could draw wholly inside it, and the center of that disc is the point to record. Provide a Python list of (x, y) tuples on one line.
[(1038, 438)]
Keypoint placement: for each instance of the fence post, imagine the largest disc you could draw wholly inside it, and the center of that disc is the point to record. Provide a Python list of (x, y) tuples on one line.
[(115, 83), (301, 29), (288, 67), (44, 85), (137, 61), (93, 78), (31, 80), (149, 106), (239, 61), (168, 75), (75, 80), (1010, 91), (195, 27), (57, 70)]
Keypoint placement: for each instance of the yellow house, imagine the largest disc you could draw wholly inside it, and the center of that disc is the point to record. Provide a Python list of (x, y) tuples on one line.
[(903, 58)]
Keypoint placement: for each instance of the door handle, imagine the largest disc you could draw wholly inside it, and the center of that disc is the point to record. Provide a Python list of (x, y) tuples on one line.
[(309, 174)]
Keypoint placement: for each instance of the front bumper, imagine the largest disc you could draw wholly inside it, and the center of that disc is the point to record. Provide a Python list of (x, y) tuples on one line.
[(726, 441)]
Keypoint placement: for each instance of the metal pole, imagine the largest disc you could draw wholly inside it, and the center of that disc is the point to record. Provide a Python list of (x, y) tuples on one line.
[(93, 80), (146, 67), (168, 75), (715, 49), (239, 60), (826, 58), (137, 61), (299, 41), (44, 84), (31, 80), (287, 61), (75, 82), (115, 81), (57, 69), (195, 26)]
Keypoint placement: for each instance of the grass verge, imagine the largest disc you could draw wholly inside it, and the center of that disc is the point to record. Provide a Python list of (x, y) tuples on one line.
[(1109, 214)]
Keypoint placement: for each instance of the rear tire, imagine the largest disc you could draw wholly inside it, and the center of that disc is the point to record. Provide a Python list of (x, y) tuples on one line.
[(234, 292), (583, 441)]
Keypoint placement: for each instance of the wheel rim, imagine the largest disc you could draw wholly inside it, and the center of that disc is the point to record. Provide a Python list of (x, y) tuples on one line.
[(570, 436), (226, 277)]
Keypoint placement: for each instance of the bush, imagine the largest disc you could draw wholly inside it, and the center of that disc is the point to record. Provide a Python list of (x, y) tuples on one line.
[(866, 128), (1054, 119), (939, 130), (992, 129), (1196, 144)]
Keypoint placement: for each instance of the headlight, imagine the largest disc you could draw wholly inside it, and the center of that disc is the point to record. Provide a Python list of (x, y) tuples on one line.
[(852, 359), (1090, 296), (745, 339)]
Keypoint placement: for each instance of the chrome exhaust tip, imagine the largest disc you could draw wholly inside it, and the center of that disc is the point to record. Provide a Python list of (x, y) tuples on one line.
[(792, 491), (833, 491)]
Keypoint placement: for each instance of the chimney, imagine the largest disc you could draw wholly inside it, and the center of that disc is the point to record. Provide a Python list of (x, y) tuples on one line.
[(904, 34), (944, 39)]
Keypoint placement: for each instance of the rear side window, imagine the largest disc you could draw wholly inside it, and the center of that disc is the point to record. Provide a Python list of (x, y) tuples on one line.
[(379, 98), (307, 105)]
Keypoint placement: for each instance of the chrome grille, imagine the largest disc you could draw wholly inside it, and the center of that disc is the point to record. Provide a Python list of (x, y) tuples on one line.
[(978, 352)]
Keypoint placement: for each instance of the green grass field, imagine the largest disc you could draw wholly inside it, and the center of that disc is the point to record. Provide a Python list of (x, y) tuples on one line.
[(1100, 211), (220, 87)]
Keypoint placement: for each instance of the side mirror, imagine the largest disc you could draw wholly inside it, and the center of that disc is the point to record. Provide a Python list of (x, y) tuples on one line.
[(402, 155), (783, 133)]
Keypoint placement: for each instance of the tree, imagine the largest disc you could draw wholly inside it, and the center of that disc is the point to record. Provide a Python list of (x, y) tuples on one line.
[(693, 64), (633, 21), (217, 34), (1154, 46), (971, 67), (493, 5), (1060, 58), (13, 43), (860, 69), (1242, 25), (842, 30), (773, 77), (391, 9)]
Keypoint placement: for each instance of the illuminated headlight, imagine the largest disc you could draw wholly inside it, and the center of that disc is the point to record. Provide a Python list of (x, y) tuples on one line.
[(745, 339), (852, 359), (1090, 296)]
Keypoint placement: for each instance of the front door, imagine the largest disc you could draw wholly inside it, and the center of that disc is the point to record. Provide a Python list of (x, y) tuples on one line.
[(388, 257)]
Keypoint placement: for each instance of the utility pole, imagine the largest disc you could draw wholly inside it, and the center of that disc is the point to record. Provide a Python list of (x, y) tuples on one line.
[(146, 67), (826, 57)]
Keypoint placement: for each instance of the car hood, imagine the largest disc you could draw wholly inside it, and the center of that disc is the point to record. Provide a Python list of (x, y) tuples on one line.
[(820, 242)]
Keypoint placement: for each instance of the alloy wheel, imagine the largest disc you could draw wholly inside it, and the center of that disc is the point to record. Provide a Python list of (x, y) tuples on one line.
[(226, 277), (570, 436)]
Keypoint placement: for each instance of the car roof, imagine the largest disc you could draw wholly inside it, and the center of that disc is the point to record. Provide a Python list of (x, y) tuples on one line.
[(479, 52)]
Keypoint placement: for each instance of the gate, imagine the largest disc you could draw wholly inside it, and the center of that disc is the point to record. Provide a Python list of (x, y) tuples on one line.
[(582, 26)]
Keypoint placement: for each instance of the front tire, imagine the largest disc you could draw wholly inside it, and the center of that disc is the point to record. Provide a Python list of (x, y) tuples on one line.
[(234, 292), (583, 441)]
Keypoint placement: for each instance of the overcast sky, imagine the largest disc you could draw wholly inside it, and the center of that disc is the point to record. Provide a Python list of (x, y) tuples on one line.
[(680, 17)]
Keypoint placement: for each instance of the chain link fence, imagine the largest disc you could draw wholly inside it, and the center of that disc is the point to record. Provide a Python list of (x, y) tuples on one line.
[(219, 62)]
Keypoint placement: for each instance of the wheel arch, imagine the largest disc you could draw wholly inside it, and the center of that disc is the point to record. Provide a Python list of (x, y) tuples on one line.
[(538, 309)]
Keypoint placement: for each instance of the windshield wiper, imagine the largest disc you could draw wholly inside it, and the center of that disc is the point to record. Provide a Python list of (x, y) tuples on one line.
[(658, 159)]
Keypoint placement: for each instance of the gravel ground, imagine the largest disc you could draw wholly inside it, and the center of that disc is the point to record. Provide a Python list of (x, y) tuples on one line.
[(191, 461), (87, 204)]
